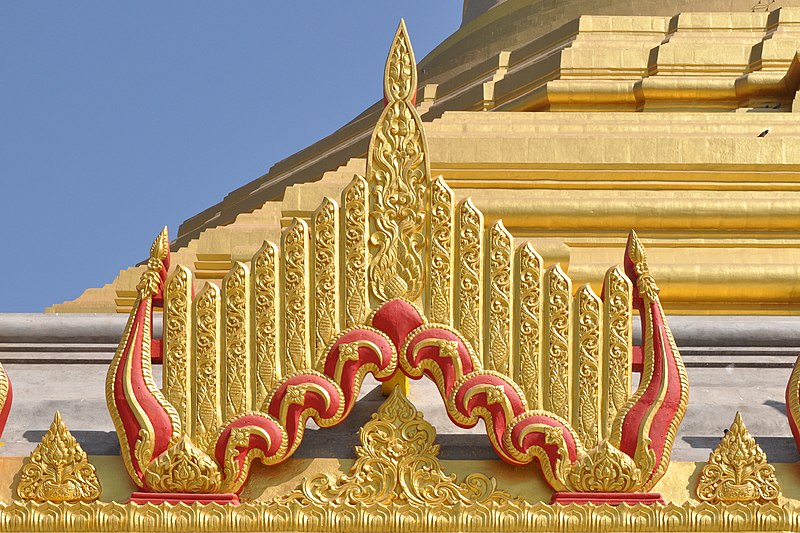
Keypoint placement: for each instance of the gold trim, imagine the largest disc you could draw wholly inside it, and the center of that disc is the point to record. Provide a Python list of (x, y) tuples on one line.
[(264, 517)]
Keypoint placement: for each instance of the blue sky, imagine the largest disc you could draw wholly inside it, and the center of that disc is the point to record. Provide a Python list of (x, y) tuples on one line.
[(118, 118)]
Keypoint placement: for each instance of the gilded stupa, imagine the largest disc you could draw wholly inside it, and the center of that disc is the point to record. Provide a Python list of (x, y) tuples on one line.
[(456, 313), (576, 121)]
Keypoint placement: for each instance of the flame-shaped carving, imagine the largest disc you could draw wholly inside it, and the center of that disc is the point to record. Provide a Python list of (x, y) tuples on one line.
[(531, 326), (398, 169), (146, 423)]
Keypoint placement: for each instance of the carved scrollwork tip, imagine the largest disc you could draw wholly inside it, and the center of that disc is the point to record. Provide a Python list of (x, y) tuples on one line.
[(400, 74), (160, 248)]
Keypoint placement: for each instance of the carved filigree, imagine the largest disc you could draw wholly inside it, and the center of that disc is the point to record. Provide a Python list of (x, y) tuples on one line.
[(150, 281), (265, 312), (617, 342), (183, 468), (396, 464), (470, 274), (529, 323), (325, 231), (355, 252), (588, 333), (177, 370), (400, 72), (737, 470), (638, 256), (500, 250), (440, 240), (397, 173), (237, 395), (58, 469), (295, 263), (207, 407), (557, 352), (605, 469)]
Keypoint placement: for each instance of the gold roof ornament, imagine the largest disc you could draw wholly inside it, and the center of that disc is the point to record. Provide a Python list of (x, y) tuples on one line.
[(397, 279), (59, 470), (737, 470), (397, 447)]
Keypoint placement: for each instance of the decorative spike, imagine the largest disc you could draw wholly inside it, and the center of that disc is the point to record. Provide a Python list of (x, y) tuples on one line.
[(266, 319), (499, 262), (208, 405), (177, 369), (355, 253), (325, 232), (557, 349), (586, 372), (398, 175), (400, 73), (528, 304), (296, 293), (441, 231), (469, 318), (617, 344), (237, 365)]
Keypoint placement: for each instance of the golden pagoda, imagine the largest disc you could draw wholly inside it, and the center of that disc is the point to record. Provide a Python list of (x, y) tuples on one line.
[(456, 313), (575, 123)]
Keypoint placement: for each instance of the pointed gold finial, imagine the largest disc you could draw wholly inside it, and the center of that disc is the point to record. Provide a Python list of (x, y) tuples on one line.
[(150, 282), (737, 470), (59, 470), (160, 247), (638, 257), (400, 73), (398, 175)]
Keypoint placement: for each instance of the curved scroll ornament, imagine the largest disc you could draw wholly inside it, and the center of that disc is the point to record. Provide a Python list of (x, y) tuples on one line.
[(396, 446), (632, 459), (397, 172), (146, 423), (645, 427)]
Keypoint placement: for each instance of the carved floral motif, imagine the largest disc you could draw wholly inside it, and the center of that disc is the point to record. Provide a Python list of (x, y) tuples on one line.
[(737, 470), (396, 464), (59, 470), (183, 468), (397, 172)]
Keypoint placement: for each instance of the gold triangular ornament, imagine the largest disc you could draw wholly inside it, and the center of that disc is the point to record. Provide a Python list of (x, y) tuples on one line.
[(737, 470), (58, 469)]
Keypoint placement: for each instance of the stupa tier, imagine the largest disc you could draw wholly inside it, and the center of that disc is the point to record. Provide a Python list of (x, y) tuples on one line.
[(575, 127)]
